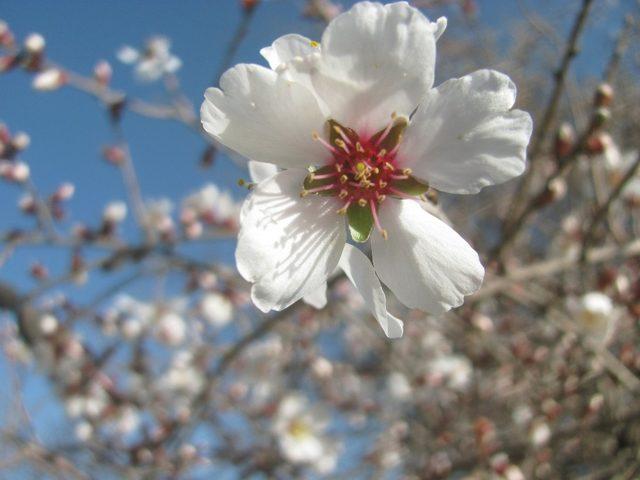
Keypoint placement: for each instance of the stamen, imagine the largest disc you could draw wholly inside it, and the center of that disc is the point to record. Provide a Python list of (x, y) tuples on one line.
[(343, 209), (313, 176), (407, 171), (343, 135), (385, 132), (376, 220), (324, 143), (359, 148), (324, 188), (343, 194), (340, 143), (343, 178), (362, 202), (399, 177)]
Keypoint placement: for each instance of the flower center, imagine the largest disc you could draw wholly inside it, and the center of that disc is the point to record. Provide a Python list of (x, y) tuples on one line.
[(299, 429), (362, 173)]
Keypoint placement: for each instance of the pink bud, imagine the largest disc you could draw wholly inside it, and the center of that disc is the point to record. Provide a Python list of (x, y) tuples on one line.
[(34, 43), (102, 72), (64, 192), (49, 80)]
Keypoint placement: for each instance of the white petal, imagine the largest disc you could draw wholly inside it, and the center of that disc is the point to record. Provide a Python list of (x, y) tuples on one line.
[(286, 48), (264, 117), (361, 273), (260, 171), (318, 298), (424, 262), (463, 136), (287, 245), (376, 60)]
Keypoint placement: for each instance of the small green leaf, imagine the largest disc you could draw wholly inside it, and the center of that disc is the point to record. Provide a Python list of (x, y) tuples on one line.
[(360, 222), (410, 186)]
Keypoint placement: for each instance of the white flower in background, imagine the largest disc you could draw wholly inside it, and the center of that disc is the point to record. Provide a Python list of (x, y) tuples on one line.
[(593, 314), (299, 429), (182, 377), (338, 118), (153, 62), (212, 205), (216, 309), (158, 215), (453, 370), (83, 431), (399, 386), (114, 212), (171, 328), (49, 80)]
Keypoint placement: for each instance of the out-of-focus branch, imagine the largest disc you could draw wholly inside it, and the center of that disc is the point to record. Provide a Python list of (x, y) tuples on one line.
[(603, 210), (233, 45), (549, 114), (555, 266)]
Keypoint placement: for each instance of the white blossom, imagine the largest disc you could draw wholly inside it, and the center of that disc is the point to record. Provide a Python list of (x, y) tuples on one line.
[(216, 309), (299, 430), (154, 61), (593, 314), (358, 131)]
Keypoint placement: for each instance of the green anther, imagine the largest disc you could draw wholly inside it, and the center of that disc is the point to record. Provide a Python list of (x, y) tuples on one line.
[(360, 167)]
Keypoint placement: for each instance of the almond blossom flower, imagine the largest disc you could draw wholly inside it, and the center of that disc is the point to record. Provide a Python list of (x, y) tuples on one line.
[(153, 62), (299, 430), (360, 133)]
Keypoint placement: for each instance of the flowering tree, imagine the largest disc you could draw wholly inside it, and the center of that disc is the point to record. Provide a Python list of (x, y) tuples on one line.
[(512, 349)]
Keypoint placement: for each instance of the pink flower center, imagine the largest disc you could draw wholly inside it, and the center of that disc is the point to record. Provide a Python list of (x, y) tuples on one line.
[(362, 172)]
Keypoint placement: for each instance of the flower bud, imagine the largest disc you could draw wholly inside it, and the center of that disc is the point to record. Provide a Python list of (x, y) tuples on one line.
[(556, 190), (598, 142), (604, 95), (193, 230), (34, 44), (249, 5), (49, 80), (565, 140), (39, 271), (102, 72), (8, 62), (114, 212), (64, 192), (113, 154), (6, 36), (20, 141), (601, 116), (15, 172), (27, 204)]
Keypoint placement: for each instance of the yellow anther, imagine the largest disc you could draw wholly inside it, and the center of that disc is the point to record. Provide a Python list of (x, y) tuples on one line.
[(393, 115), (381, 198), (406, 171), (384, 234), (343, 178), (359, 147), (315, 135), (376, 170), (340, 143), (303, 193), (342, 211), (338, 167), (382, 184), (362, 202), (382, 152), (241, 182), (314, 44), (343, 194), (388, 166)]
